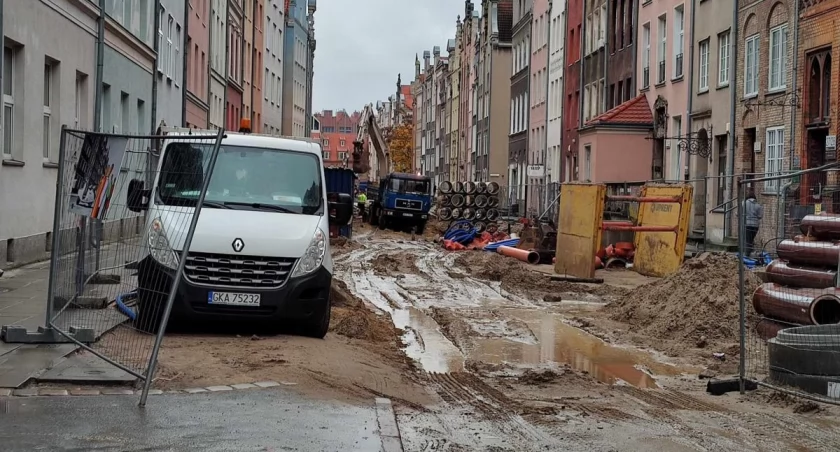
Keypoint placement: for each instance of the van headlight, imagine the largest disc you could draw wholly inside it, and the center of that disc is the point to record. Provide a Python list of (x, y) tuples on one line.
[(159, 246), (313, 257)]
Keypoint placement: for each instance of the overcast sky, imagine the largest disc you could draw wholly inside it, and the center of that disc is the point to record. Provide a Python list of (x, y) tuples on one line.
[(364, 44)]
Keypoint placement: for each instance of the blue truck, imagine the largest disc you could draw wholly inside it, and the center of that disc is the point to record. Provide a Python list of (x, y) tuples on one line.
[(401, 201)]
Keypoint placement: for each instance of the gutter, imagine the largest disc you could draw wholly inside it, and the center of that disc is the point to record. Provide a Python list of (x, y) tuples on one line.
[(691, 86), (730, 152), (185, 37), (582, 68), (793, 86), (547, 87), (254, 126), (100, 65), (153, 115)]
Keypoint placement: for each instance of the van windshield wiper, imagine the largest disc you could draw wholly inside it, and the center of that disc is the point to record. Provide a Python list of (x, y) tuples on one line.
[(214, 205), (259, 206)]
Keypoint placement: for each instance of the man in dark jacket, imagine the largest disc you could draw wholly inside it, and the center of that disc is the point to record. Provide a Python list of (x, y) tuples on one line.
[(753, 213)]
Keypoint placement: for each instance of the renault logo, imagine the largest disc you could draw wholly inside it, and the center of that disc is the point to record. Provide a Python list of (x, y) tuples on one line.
[(238, 245)]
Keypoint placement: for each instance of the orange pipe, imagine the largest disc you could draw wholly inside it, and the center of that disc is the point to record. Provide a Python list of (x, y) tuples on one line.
[(529, 256)]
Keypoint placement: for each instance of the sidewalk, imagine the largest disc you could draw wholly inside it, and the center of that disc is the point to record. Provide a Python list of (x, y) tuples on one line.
[(23, 298), (255, 419)]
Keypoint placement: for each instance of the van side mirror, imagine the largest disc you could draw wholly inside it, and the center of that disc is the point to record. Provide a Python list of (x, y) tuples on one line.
[(137, 196), (340, 207)]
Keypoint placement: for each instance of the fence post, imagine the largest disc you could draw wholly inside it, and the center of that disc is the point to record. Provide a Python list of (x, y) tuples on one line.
[(742, 318), (55, 253), (179, 273)]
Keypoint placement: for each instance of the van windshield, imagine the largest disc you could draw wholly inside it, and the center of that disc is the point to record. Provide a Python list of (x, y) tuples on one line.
[(412, 186), (244, 178)]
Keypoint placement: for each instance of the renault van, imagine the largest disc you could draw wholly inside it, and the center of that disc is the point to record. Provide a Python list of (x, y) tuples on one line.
[(261, 249)]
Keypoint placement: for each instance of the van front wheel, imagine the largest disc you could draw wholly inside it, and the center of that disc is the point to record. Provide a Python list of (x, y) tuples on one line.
[(320, 324)]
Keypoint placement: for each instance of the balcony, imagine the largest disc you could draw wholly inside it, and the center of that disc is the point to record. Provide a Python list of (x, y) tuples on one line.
[(661, 76), (646, 77), (678, 71)]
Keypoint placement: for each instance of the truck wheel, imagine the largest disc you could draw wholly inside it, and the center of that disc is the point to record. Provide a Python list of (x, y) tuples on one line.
[(373, 216), (319, 325), (421, 226), (382, 220), (150, 307)]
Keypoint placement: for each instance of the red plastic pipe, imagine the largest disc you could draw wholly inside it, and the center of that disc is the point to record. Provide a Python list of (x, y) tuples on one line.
[(803, 306), (529, 256), (645, 198), (823, 254), (823, 227), (782, 273)]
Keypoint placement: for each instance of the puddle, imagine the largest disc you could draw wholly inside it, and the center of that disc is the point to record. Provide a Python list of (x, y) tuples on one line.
[(559, 343), (426, 344)]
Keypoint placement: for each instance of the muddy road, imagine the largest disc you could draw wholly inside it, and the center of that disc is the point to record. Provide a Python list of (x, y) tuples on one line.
[(508, 365)]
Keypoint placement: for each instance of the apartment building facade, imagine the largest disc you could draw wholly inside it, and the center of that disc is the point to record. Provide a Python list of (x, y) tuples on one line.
[(171, 58), (272, 79), (710, 107), (573, 111), (295, 72), (218, 64), (665, 28), (493, 63), (520, 98), (337, 132), (556, 154), (453, 105), (621, 36), (466, 50), (765, 102), (417, 86), (539, 97), (235, 65), (197, 102)]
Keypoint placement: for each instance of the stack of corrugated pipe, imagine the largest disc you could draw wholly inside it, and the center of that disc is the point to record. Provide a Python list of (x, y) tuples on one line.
[(801, 287), (476, 202)]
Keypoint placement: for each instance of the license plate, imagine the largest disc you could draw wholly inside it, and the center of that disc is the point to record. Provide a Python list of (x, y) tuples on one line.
[(408, 214), (234, 299)]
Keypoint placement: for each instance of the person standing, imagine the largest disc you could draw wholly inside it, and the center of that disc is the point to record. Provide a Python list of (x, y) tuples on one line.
[(361, 201), (753, 213)]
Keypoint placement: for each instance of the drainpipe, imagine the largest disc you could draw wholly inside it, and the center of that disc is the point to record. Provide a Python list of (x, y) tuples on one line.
[(582, 99), (185, 71), (254, 125), (544, 152), (794, 77), (156, 47), (225, 63), (100, 54), (2, 59), (730, 153), (690, 77)]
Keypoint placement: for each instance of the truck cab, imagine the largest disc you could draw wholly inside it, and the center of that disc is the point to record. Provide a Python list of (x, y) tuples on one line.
[(402, 199)]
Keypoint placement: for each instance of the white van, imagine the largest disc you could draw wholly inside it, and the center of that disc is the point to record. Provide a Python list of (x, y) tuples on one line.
[(261, 249)]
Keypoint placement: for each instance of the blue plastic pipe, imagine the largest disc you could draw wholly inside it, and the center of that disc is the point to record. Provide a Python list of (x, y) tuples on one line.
[(125, 310)]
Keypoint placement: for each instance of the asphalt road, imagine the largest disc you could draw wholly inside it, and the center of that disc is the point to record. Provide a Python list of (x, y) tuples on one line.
[(249, 420)]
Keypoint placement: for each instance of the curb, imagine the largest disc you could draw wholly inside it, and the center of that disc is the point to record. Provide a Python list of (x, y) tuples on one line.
[(388, 429), (82, 392)]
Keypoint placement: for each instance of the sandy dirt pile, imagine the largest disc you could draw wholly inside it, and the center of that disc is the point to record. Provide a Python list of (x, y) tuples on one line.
[(341, 245), (395, 264), (700, 301), (351, 318), (516, 277)]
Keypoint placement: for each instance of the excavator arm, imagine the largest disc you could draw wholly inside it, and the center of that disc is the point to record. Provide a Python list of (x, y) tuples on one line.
[(363, 159)]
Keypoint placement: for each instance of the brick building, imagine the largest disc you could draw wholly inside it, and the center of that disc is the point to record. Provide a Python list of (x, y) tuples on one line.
[(819, 79), (763, 110), (337, 132)]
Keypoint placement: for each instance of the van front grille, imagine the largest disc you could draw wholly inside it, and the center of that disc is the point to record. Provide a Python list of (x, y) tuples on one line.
[(237, 271)]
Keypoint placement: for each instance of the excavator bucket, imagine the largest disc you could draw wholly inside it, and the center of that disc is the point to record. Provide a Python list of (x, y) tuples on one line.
[(361, 163)]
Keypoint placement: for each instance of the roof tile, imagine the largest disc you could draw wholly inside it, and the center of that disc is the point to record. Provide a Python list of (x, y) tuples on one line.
[(635, 111)]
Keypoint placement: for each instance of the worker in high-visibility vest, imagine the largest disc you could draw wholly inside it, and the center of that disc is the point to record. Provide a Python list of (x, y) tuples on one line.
[(361, 201)]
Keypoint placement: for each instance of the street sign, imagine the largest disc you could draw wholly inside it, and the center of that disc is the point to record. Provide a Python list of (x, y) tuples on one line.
[(536, 171)]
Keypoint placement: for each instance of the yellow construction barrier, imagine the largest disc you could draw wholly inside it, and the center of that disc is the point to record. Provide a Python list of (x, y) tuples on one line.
[(660, 231)]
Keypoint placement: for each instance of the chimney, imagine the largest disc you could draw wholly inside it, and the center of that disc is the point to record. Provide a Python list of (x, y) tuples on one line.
[(468, 10), (416, 67), (436, 53), (426, 60)]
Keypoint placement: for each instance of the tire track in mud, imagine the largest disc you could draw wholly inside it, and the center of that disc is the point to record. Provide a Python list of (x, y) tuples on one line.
[(668, 399), (466, 389)]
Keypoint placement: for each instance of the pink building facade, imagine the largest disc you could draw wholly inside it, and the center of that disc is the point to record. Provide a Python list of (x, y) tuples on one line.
[(469, 30), (664, 44), (198, 61), (536, 200)]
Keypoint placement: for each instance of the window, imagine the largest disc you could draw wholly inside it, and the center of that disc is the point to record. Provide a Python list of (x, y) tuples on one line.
[(342, 156), (326, 144), (751, 66), (704, 66), (721, 165), (141, 113), (8, 99), (774, 156), (48, 81), (176, 72), (646, 55), (723, 59), (679, 32), (168, 54), (161, 16), (778, 58), (660, 51), (588, 162), (342, 143)]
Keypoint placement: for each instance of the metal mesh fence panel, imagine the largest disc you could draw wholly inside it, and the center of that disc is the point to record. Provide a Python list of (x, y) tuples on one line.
[(112, 264), (789, 227)]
